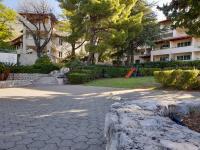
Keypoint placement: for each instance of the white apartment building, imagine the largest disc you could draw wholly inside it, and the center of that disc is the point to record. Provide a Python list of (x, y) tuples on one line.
[(142, 55), (56, 48), (175, 45)]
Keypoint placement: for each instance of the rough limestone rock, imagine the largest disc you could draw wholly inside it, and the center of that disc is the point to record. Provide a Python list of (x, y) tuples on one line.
[(60, 73), (145, 125)]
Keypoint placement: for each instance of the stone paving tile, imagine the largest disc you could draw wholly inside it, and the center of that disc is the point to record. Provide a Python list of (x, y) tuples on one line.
[(53, 121), (62, 117)]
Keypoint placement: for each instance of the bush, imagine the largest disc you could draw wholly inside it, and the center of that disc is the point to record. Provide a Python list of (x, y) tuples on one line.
[(36, 68), (2, 68), (74, 64), (101, 71), (44, 68), (179, 79), (43, 60), (163, 77), (148, 71), (171, 64), (78, 78)]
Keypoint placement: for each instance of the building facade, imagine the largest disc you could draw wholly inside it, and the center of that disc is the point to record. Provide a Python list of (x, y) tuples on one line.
[(175, 45), (56, 48)]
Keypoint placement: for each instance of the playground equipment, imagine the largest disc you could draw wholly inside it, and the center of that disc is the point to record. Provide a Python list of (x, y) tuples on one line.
[(130, 73)]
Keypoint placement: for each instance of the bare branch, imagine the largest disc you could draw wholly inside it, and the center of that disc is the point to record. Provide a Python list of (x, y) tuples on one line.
[(38, 14), (80, 44)]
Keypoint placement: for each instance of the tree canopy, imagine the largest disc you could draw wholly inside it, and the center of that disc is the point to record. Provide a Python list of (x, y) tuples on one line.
[(7, 16), (72, 24), (184, 14)]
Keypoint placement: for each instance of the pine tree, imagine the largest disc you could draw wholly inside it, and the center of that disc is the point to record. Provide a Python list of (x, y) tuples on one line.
[(106, 24), (72, 24), (146, 34), (184, 14)]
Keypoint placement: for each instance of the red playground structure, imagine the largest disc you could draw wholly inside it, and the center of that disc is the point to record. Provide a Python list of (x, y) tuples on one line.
[(130, 73)]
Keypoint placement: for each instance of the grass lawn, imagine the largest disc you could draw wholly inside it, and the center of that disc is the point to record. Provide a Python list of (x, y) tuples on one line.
[(138, 82)]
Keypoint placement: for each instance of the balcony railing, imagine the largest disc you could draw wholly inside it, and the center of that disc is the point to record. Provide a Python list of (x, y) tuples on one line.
[(176, 50), (164, 48)]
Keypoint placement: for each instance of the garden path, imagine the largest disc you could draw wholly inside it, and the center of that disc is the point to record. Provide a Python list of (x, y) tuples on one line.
[(63, 117)]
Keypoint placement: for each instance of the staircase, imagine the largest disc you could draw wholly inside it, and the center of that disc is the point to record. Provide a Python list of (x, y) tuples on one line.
[(48, 80)]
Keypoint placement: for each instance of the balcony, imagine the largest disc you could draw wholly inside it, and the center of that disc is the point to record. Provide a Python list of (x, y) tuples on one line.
[(166, 35), (174, 50)]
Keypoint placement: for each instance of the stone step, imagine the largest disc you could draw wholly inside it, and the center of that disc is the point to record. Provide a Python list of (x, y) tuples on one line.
[(46, 81)]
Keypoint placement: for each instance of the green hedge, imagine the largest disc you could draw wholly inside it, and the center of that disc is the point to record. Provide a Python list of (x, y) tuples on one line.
[(172, 64), (148, 71), (84, 74), (37, 68), (79, 78), (179, 79), (107, 71)]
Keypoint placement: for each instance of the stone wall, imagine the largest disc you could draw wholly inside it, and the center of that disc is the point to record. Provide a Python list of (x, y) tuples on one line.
[(20, 79), (25, 76), (146, 125), (14, 83)]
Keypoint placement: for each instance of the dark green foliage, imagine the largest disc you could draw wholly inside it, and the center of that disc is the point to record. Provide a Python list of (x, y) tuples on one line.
[(37, 68), (43, 60), (45, 68), (171, 64), (79, 78), (108, 71), (184, 14), (42, 65), (73, 64), (2, 68), (148, 71), (179, 79), (91, 72)]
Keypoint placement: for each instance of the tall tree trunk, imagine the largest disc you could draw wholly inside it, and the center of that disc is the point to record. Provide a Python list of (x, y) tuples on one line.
[(73, 54), (38, 52), (93, 42)]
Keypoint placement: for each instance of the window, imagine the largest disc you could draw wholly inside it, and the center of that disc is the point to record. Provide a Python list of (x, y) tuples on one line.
[(60, 54), (184, 57), (164, 58), (164, 46), (137, 61), (29, 36), (184, 44), (60, 41)]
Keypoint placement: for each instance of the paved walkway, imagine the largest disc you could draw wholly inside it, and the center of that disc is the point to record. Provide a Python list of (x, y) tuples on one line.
[(62, 117), (45, 81)]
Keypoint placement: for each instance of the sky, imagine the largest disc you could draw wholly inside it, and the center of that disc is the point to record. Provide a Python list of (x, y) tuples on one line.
[(14, 5)]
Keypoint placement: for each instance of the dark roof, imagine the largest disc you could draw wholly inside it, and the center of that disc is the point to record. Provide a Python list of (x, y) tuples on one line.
[(53, 17), (17, 40)]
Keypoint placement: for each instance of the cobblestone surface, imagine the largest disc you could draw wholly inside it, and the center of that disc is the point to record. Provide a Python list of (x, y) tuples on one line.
[(53, 118), (63, 117)]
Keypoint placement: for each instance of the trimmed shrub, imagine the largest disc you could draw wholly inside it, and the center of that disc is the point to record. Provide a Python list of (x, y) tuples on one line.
[(44, 68), (101, 71), (78, 78), (74, 64), (37, 68), (171, 64), (43, 60), (163, 77), (148, 71), (179, 79)]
